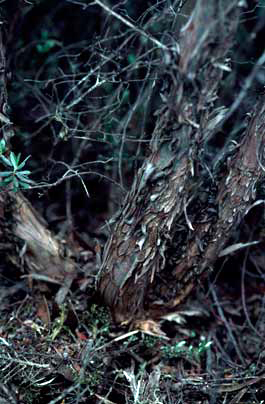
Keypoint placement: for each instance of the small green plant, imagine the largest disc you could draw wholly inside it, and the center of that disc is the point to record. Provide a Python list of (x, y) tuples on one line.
[(174, 351), (15, 175), (131, 340), (46, 43), (150, 341), (99, 321), (201, 348), (131, 58), (180, 349)]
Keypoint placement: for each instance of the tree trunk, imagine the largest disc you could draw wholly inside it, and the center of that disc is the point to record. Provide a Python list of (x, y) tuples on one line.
[(184, 202), (181, 209)]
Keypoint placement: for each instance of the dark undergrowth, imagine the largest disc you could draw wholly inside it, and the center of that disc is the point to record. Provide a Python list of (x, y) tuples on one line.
[(209, 351)]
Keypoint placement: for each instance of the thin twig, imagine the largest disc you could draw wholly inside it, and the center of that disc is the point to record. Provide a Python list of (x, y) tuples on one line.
[(129, 24)]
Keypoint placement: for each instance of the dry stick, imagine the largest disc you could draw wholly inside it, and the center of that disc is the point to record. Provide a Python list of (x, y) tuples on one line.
[(246, 87), (221, 314), (239, 99), (129, 24), (132, 110), (243, 297), (92, 71)]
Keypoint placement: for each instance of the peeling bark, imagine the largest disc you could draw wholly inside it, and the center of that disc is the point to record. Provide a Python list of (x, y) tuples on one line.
[(168, 205), (165, 193), (28, 243), (235, 196)]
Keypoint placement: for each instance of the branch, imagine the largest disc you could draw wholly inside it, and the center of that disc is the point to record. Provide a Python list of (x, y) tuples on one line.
[(130, 25)]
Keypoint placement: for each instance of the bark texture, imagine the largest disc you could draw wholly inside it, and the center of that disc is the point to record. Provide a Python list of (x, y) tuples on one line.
[(184, 203), (179, 205), (28, 243)]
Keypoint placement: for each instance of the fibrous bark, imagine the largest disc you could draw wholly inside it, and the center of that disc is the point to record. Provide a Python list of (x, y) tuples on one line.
[(33, 245), (181, 208), (178, 201)]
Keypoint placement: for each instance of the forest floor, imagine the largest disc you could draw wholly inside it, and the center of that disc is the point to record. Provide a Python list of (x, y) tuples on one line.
[(209, 351), (211, 348)]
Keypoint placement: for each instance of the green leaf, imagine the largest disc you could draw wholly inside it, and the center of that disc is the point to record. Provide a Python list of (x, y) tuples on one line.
[(125, 95), (45, 46), (39, 48), (181, 344), (15, 184), (2, 145), (21, 165), (131, 58), (24, 185), (25, 172), (21, 176), (7, 180), (6, 161), (6, 173), (14, 160), (24, 179)]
